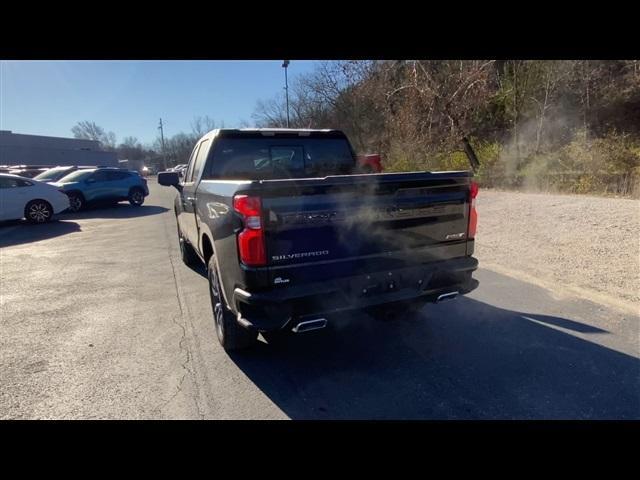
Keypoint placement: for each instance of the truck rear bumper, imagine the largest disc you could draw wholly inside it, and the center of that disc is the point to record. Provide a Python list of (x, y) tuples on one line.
[(286, 306)]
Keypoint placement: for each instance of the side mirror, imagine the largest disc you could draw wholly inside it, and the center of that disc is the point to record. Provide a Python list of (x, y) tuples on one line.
[(170, 179)]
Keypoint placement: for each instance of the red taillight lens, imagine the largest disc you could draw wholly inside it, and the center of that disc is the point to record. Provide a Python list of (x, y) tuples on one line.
[(473, 189), (251, 248), (246, 205), (473, 214), (250, 240)]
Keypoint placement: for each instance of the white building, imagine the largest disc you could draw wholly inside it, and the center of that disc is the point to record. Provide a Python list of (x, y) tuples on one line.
[(20, 149)]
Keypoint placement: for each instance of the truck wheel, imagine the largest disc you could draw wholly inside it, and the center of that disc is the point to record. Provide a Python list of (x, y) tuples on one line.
[(188, 255), (231, 334), (136, 197)]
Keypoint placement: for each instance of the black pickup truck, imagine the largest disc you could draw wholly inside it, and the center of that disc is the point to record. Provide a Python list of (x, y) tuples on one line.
[(292, 234)]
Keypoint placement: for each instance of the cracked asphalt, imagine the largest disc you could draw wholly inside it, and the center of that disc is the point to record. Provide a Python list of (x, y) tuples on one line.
[(99, 318)]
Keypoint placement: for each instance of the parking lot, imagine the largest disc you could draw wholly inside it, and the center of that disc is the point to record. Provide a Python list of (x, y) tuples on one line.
[(100, 319)]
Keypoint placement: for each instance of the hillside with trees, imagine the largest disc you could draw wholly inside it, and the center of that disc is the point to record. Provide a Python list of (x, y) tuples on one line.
[(571, 126)]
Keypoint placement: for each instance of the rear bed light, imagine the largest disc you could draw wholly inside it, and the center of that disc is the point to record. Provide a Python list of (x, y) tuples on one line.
[(473, 214), (251, 238)]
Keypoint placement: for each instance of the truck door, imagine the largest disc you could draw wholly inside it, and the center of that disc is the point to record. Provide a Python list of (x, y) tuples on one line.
[(189, 223), (182, 213)]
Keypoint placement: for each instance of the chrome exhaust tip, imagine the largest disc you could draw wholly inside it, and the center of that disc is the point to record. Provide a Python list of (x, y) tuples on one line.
[(309, 325), (447, 296)]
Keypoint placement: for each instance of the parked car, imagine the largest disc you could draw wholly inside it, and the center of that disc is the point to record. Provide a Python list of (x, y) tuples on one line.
[(28, 172), (291, 236), (180, 169), (103, 185), (56, 173), (22, 197)]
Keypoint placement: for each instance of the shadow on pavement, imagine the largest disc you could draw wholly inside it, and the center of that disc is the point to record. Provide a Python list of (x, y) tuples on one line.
[(26, 232), (120, 210), (459, 360)]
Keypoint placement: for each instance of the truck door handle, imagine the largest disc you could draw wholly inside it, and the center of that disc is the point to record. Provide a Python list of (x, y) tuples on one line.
[(191, 200)]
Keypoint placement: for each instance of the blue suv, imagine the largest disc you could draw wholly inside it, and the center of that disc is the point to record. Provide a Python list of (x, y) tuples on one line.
[(103, 185)]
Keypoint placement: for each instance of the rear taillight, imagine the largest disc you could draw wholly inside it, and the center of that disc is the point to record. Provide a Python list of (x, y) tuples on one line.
[(251, 238), (473, 214), (473, 189)]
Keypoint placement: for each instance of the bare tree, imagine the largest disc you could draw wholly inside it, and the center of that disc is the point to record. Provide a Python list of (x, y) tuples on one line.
[(200, 126), (552, 74), (272, 113), (91, 131), (131, 149), (88, 130)]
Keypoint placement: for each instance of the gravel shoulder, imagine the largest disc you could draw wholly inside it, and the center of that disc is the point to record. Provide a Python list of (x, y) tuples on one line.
[(583, 243)]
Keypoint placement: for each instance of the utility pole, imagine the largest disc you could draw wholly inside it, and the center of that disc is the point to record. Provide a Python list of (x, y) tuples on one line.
[(164, 157), (286, 87)]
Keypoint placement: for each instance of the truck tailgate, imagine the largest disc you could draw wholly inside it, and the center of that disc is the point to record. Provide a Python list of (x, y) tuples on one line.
[(407, 217)]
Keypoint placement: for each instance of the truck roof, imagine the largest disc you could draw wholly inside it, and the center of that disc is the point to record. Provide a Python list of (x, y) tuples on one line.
[(268, 132)]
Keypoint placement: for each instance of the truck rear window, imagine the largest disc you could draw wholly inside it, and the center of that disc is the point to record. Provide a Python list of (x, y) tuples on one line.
[(269, 158)]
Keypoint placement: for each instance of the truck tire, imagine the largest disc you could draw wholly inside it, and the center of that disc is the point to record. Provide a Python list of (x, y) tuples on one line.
[(231, 335)]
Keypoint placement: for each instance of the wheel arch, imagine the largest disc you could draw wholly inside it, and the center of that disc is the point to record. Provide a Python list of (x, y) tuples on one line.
[(208, 253), (76, 192), (38, 199), (207, 248)]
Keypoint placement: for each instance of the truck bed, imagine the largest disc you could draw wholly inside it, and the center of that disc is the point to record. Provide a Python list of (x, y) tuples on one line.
[(349, 241)]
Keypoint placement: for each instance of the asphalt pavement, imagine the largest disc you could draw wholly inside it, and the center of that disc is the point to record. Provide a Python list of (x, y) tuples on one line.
[(99, 318)]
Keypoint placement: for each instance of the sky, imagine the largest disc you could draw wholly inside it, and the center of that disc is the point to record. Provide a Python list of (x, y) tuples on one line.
[(129, 97)]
